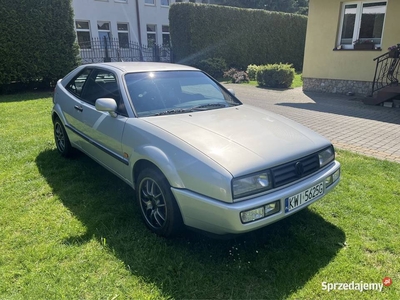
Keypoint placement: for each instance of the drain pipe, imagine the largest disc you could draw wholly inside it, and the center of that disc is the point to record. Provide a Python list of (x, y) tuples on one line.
[(139, 30)]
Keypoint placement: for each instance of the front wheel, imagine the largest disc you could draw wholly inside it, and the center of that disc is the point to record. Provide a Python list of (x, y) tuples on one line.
[(158, 206), (61, 138)]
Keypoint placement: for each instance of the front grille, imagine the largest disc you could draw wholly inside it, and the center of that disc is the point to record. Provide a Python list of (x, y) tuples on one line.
[(295, 170)]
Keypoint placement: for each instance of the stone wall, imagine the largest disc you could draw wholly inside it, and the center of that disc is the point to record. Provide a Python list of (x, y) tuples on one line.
[(362, 88)]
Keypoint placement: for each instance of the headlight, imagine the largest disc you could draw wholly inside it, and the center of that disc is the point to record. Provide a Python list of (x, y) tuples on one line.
[(326, 156), (251, 184)]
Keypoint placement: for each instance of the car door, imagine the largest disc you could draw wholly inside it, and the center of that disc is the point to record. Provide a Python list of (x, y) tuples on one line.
[(71, 103), (102, 132)]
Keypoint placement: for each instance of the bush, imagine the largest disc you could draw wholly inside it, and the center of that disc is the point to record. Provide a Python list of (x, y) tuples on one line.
[(236, 76), (37, 43), (240, 36), (276, 75), (215, 67), (252, 71)]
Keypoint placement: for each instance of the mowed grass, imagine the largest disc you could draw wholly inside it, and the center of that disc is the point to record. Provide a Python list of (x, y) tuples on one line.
[(71, 230)]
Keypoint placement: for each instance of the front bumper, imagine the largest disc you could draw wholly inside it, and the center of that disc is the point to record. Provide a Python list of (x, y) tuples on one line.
[(221, 218)]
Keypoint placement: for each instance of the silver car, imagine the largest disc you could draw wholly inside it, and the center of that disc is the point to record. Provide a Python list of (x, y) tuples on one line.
[(194, 154)]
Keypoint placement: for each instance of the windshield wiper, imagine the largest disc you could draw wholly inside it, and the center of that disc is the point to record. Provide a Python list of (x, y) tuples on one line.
[(173, 111), (209, 106)]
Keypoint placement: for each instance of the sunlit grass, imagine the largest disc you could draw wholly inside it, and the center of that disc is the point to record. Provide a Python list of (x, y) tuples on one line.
[(70, 229)]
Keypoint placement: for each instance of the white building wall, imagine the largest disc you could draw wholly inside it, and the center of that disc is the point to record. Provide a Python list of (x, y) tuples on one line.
[(124, 11)]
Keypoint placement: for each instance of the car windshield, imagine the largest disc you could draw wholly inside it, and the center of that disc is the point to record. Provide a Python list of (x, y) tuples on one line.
[(174, 92)]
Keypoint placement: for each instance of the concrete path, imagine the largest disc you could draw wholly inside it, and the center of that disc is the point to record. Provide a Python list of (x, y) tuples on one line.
[(344, 120)]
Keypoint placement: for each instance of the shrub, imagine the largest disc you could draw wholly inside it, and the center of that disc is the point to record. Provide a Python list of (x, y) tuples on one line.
[(276, 75), (236, 76), (252, 71), (212, 66), (240, 36), (37, 43)]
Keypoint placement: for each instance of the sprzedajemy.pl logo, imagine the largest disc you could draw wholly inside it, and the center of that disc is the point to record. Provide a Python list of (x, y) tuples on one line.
[(356, 286)]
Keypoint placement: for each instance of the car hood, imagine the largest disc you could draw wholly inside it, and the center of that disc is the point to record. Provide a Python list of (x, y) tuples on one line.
[(242, 139)]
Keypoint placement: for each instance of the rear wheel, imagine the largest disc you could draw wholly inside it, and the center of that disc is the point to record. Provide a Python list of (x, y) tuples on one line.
[(158, 206), (61, 139)]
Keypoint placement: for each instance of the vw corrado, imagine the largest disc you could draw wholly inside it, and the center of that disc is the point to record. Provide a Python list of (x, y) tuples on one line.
[(193, 153)]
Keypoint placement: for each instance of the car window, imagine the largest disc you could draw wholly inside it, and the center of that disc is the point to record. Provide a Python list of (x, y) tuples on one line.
[(103, 84), (155, 93), (75, 86)]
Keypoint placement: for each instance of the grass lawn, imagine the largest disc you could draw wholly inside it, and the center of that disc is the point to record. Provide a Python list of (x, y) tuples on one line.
[(70, 229)]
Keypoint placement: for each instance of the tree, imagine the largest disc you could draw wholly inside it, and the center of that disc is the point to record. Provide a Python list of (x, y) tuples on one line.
[(290, 6), (37, 40)]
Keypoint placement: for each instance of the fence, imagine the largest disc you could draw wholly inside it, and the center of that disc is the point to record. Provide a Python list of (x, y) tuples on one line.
[(111, 50)]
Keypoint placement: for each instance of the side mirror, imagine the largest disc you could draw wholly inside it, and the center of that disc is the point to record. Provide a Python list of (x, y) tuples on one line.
[(107, 104), (231, 91)]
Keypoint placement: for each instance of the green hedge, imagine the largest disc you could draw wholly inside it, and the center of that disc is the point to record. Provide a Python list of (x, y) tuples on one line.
[(276, 75), (37, 41), (240, 36)]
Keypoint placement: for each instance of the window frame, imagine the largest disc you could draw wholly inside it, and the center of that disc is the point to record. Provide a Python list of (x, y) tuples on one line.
[(357, 22), (165, 33), (150, 4), (86, 30), (120, 31), (104, 31), (151, 32), (165, 5)]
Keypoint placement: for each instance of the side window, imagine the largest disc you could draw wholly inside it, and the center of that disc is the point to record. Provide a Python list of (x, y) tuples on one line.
[(75, 86), (103, 84)]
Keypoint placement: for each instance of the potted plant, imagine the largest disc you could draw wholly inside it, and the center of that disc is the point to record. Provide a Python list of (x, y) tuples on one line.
[(364, 44), (394, 51)]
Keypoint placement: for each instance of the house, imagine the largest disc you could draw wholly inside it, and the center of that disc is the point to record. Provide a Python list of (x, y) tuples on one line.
[(343, 39), (127, 28)]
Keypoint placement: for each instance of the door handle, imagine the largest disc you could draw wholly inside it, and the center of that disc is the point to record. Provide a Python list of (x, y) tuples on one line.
[(77, 107)]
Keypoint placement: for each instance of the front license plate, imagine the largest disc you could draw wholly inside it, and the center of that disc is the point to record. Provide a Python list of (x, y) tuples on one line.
[(304, 197)]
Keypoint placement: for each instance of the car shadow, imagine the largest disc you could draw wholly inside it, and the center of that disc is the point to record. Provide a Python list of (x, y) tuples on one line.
[(277, 260), (350, 106)]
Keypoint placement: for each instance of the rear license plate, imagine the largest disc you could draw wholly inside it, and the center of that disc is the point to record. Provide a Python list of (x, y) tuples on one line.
[(304, 197)]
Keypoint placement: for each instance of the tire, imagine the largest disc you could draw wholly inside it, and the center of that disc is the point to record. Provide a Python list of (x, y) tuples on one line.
[(158, 207), (61, 139)]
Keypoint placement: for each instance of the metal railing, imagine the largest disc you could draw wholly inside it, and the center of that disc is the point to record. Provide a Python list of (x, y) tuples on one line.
[(112, 50), (387, 71)]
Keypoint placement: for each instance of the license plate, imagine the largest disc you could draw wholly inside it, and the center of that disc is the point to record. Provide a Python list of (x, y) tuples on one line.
[(304, 197)]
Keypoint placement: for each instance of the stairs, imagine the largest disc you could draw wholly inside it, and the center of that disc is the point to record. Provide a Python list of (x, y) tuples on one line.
[(385, 94), (385, 86)]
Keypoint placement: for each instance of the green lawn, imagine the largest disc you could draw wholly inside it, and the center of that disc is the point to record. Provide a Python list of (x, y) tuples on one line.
[(70, 229)]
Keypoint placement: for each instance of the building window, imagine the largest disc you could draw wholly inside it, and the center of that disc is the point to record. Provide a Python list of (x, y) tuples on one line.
[(123, 35), (150, 2), (83, 34), (104, 33), (164, 2), (165, 36), (151, 35), (362, 21)]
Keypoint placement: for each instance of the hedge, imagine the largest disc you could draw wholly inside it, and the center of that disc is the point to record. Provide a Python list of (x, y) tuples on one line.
[(275, 75), (240, 36), (37, 41)]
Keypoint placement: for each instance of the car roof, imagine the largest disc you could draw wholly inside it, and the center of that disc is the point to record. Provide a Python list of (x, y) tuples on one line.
[(129, 67)]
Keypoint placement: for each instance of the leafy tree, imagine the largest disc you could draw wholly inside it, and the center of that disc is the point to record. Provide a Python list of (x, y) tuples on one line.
[(290, 6), (37, 41)]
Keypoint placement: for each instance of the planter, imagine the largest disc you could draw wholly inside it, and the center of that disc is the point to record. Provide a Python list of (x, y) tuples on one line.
[(364, 46), (394, 53)]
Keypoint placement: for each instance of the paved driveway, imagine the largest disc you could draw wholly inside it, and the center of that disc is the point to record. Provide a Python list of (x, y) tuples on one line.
[(348, 123)]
